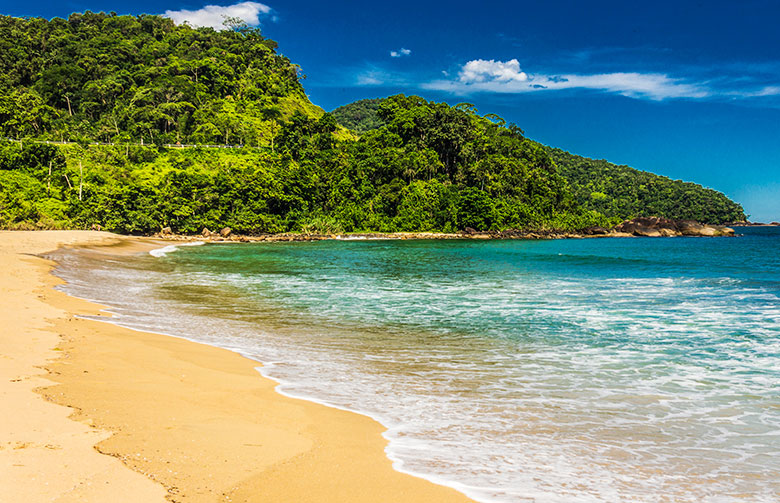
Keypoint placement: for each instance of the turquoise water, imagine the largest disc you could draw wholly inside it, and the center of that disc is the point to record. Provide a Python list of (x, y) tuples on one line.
[(569, 370)]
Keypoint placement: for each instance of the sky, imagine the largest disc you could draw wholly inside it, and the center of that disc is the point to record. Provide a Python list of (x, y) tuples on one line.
[(685, 89)]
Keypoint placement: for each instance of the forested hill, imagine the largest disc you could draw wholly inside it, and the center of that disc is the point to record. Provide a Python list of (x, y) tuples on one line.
[(361, 115), (145, 101), (598, 185), (626, 192), (104, 77)]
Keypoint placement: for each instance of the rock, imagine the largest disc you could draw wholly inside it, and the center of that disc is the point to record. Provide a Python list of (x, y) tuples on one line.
[(96, 227), (690, 228), (693, 228), (657, 227), (647, 226), (206, 232), (724, 231), (469, 230), (594, 231), (509, 233), (166, 231), (708, 232), (647, 232), (225, 232)]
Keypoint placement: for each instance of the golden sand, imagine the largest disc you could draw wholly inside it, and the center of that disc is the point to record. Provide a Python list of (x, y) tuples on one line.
[(194, 422)]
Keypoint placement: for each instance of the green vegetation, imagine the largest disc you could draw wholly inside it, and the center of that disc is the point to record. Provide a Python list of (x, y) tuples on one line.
[(431, 168), (361, 115), (600, 186), (417, 165), (124, 78), (626, 192)]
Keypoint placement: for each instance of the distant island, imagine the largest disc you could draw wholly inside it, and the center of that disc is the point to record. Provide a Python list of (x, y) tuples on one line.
[(135, 124)]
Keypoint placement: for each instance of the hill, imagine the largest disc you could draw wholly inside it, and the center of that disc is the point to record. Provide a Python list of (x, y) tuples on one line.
[(600, 186), (432, 167), (115, 78), (361, 115), (180, 127), (626, 192)]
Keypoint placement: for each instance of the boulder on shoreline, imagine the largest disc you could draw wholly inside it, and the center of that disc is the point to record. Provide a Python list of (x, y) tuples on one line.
[(595, 231), (663, 227)]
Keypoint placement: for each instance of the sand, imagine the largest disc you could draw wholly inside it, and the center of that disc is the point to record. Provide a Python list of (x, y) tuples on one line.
[(156, 418)]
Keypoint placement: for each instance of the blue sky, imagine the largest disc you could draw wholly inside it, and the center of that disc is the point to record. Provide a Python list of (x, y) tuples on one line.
[(687, 89)]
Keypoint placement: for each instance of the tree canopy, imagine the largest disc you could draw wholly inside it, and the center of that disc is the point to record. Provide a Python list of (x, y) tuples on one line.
[(128, 78), (625, 192), (136, 83), (360, 116), (597, 185)]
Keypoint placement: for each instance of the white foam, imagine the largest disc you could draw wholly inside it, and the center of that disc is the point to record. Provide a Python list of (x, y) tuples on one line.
[(165, 250)]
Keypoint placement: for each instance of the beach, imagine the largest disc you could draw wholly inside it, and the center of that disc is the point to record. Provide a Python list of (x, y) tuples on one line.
[(105, 413), (512, 370)]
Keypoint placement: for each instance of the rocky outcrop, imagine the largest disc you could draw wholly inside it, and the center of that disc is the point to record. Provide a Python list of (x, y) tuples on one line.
[(648, 227), (747, 223), (225, 232), (595, 231), (662, 227)]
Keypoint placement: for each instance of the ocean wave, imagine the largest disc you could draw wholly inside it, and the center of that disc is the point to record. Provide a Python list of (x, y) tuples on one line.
[(165, 250)]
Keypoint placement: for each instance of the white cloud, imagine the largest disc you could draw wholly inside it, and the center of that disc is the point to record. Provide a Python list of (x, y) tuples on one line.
[(481, 70), (214, 15), (757, 93), (376, 75), (400, 52), (370, 79), (655, 86), (481, 75)]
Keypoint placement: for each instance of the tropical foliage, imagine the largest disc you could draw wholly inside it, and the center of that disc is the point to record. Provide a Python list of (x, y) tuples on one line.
[(431, 168), (600, 186), (361, 115), (126, 78), (122, 87), (626, 192)]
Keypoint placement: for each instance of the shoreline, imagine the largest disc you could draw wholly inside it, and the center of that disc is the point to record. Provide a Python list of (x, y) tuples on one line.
[(198, 420), (636, 227), (44, 454)]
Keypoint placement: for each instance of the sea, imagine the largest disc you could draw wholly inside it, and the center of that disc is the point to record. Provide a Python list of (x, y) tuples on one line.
[(577, 370)]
